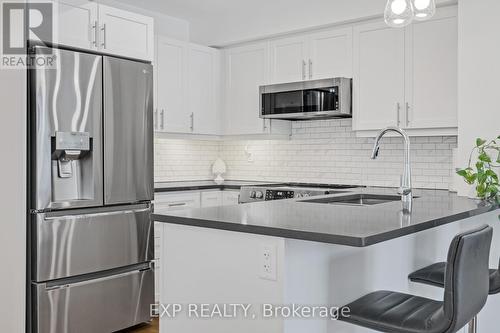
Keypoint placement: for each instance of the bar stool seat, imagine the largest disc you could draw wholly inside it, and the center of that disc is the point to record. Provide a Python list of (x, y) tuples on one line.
[(465, 293), (434, 275), (388, 311)]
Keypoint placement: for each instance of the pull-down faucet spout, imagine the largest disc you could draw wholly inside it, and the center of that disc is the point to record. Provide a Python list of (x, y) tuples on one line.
[(405, 188)]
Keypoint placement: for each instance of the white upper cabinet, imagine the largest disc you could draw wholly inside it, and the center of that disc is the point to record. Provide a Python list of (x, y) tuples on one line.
[(246, 70), (319, 55), (432, 62), (202, 91), (379, 78), (288, 59), (171, 114), (187, 90), (126, 33), (330, 54), (77, 23), (89, 25), (407, 77)]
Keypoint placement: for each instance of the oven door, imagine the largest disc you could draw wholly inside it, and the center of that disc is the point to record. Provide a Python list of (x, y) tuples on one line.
[(70, 243)]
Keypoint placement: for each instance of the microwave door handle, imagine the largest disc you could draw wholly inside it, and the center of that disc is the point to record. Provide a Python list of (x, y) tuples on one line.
[(303, 69)]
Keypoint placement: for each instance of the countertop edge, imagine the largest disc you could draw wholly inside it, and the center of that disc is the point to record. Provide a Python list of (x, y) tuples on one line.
[(321, 237)]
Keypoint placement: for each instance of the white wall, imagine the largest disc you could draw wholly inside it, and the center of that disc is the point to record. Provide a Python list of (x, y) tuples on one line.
[(246, 20), (165, 25), (12, 200), (478, 76)]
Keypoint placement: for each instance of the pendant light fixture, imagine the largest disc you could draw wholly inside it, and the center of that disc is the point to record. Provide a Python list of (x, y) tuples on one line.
[(424, 9), (398, 13)]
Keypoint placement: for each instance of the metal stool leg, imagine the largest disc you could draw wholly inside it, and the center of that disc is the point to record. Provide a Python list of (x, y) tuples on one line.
[(473, 325)]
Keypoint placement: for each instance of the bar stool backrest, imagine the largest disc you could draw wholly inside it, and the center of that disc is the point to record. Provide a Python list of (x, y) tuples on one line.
[(466, 282)]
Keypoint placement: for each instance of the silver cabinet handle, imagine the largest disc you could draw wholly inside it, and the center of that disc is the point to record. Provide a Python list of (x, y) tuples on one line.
[(303, 69), (264, 126), (192, 121), (310, 69), (398, 109), (407, 114), (103, 29), (177, 204), (162, 117), (95, 33)]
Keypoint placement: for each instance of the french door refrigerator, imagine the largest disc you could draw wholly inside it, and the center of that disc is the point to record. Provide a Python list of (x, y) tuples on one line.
[(90, 179)]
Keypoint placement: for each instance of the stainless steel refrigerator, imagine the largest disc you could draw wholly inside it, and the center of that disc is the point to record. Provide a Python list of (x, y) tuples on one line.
[(90, 179)]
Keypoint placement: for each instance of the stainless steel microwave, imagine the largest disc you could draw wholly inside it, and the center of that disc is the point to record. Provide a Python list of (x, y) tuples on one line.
[(326, 98)]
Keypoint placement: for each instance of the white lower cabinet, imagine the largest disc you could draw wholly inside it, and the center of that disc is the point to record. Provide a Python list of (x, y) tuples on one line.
[(171, 201), (230, 198)]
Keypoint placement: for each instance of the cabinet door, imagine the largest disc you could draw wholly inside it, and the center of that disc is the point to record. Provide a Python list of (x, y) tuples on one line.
[(176, 201), (201, 90), (331, 54), (77, 23), (378, 92), (230, 198), (172, 112), (289, 60), (125, 33), (211, 199), (246, 70), (432, 49)]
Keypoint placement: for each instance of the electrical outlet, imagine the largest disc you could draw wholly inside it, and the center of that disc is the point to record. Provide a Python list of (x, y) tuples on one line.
[(267, 262)]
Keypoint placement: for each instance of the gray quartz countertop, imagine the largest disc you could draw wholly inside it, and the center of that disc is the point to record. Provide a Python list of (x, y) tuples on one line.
[(204, 185), (336, 224)]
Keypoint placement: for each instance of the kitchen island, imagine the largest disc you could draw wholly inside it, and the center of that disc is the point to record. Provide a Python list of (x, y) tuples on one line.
[(289, 252)]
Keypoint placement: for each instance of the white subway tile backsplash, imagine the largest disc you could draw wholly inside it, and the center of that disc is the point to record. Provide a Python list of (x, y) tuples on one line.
[(325, 151)]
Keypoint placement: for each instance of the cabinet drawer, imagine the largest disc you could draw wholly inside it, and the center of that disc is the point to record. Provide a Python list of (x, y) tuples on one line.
[(177, 201), (211, 199)]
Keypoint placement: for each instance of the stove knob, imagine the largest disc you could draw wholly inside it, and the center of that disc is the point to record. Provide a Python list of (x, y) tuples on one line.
[(299, 195), (259, 195), (306, 195), (252, 194)]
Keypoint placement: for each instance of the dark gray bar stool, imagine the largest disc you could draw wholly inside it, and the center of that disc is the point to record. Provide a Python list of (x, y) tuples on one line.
[(434, 275), (465, 293)]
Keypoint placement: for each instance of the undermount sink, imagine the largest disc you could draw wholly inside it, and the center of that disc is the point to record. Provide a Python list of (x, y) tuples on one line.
[(357, 199)]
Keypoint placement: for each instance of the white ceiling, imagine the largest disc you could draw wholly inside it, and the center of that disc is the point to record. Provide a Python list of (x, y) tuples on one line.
[(220, 22)]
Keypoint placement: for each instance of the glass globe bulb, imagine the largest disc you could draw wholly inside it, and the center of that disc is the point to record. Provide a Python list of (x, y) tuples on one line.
[(424, 9), (399, 13)]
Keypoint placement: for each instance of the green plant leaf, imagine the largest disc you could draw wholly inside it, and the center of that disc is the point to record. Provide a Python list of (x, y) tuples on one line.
[(480, 142), (462, 173), (484, 157)]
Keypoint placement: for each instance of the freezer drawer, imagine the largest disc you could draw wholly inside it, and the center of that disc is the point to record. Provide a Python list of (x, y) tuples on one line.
[(128, 131), (70, 243), (101, 305)]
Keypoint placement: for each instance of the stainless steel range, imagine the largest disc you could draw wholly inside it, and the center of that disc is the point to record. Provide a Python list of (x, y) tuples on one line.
[(279, 192)]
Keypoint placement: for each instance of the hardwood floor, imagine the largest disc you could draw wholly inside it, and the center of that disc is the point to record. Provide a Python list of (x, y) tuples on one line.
[(145, 328)]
